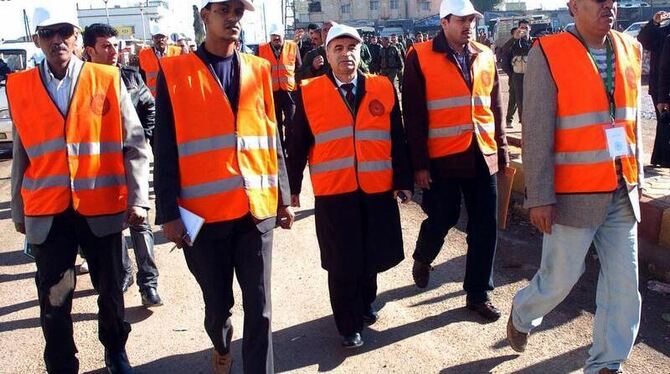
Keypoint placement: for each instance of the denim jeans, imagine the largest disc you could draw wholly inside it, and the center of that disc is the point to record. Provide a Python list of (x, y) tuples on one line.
[(143, 244), (618, 301)]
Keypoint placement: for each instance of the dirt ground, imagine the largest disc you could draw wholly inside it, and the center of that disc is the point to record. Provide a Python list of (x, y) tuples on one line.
[(420, 331)]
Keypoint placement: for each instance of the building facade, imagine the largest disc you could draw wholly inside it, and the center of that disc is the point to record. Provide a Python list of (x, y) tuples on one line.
[(364, 11)]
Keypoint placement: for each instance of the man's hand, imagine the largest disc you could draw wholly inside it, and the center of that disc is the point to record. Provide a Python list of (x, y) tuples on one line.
[(175, 232), (295, 201), (662, 107), (407, 193), (20, 227), (542, 217), (318, 62), (660, 17), (422, 179), (136, 215), (285, 217)]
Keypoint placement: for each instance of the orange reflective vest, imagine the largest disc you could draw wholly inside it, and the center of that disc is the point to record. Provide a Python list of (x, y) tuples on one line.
[(75, 159), (149, 64), (454, 111), (283, 68), (227, 161), (348, 153), (582, 160)]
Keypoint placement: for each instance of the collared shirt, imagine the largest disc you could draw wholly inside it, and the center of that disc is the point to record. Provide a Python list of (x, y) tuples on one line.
[(60, 90), (340, 83), (463, 60), (158, 53)]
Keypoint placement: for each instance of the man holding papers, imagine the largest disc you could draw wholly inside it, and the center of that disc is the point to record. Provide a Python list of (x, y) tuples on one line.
[(218, 157)]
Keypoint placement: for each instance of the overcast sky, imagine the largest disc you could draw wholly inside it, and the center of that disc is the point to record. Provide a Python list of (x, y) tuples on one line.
[(11, 11)]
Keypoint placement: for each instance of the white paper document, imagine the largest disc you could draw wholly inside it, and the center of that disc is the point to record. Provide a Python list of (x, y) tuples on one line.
[(616, 141), (192, 222)]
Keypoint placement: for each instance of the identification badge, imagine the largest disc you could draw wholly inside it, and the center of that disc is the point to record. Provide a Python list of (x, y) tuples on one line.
[(616, 141)]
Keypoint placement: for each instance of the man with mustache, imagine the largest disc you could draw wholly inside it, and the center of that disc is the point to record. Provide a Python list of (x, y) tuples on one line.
[(583, 170), (80, 174), (149, 58), (218, 156), (348, 125), (457, 146), (284, 57)]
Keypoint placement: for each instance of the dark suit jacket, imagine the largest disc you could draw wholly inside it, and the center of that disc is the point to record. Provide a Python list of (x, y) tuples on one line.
[(166, 171)]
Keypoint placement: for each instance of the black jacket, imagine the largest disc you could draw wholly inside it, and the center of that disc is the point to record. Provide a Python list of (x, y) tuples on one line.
[(166, 169), (143, 101), (651, 37), (663, 88)]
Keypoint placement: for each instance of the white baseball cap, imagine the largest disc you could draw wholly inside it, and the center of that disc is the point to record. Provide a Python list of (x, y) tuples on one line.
[(44, 17), (339, 30), (276, 29), (460, 8), (247, 4), (159, 29)]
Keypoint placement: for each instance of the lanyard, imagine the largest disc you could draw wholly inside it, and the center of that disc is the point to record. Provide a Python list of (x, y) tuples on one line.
[(609, 79)]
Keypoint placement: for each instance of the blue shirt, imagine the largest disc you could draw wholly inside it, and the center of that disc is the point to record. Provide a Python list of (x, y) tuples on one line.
[(225, 70)]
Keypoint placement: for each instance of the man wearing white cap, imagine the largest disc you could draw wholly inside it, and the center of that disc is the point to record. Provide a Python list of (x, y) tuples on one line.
[(218, 156), (457, 147), (149, 57), (349, 126), (284, 57), (80, 174)]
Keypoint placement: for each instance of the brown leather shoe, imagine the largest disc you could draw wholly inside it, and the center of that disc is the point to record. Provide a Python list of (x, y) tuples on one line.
[(609, 371), (221, 364), (485, 309), (516, 339), (421, 274)]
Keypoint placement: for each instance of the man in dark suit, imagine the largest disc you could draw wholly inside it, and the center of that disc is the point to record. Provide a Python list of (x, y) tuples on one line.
[(349, 126)]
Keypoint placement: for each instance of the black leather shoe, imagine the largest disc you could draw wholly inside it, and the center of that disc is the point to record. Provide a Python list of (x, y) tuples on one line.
[(370, 316), (485, 309), (150, 297), (128, 281), (421, 274), (117, 363), (352, 341)]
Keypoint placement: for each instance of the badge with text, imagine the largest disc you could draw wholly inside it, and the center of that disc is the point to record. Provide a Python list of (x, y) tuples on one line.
[(616, 141), (376, 108)]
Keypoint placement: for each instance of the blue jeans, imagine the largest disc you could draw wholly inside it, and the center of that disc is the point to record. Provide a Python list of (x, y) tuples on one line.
[(618, 301)]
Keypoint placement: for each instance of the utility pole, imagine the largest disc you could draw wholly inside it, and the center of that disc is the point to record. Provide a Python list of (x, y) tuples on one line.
[(26, 26), (106, 11)]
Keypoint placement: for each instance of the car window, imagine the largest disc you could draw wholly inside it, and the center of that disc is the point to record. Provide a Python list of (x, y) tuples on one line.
[(15, 59)]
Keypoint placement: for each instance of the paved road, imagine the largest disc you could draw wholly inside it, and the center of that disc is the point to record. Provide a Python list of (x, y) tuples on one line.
[(419, 331)]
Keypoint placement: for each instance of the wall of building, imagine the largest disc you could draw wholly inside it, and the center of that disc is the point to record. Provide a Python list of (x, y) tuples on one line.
[(374, 11)]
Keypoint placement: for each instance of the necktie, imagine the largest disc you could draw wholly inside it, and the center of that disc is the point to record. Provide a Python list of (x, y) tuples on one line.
[(351, 98)]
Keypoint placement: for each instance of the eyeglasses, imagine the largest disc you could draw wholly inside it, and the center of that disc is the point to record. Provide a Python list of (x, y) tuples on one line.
[(64, 31)]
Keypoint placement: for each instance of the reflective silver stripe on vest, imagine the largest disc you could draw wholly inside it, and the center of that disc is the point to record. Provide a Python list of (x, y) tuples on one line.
[(47, 182), (626, 114), (369, 166), (459, 101), (214, 143), (98, 182), (338, 164), (340, 133), (248, 143), (94, 148), (488, 128), (446, 132), (281, 67), (583, 120), (261, 181), (46, 147), (211, 188), (283, 80), (373, 135)]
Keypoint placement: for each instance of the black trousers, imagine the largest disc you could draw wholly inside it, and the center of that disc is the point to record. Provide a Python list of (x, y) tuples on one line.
[(350, 298), (511, 103), (284, 111), (220, 250), (143, 245), (517, 81), (56, 281), (442, 204), (661, 153)]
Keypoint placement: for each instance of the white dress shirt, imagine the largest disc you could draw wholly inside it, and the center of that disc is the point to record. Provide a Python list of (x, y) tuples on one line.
[(340, 83), (60, 90)]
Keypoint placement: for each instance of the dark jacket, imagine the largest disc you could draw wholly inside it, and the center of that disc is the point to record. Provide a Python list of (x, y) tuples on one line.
[(505, 57), (348, 243), (306, 71), (663, 90), (651, 37), (460, 165), (166, 169), (376, 54), (304, 46), (391, 58), (143, 101)]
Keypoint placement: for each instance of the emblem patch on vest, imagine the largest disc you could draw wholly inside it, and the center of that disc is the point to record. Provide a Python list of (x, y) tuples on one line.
[(631, 77), (100, 104), (486, 78), (376, 108)]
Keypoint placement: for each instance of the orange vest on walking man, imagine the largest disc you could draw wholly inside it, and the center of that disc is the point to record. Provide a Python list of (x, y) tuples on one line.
[(149, 57), (284, 66)]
